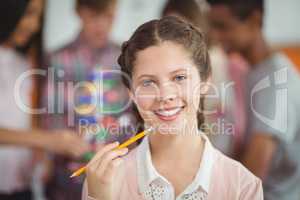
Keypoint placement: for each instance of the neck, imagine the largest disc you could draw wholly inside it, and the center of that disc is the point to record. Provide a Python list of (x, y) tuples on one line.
[(176, 147), (258, 51), (84, 39)]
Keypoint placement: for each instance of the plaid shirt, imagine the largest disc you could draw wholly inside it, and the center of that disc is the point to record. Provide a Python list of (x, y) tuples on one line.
[(73, 64), (76, 61)]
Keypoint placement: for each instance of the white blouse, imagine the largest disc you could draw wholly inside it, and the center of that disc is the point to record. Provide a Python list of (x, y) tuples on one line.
[(156, 187)]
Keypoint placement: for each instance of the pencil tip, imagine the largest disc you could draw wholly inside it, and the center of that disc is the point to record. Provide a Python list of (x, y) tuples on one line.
[(73, 175), (150, 129)]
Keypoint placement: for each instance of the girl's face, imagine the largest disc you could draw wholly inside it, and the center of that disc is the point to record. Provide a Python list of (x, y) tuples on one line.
[(166, 87), (29, 23)]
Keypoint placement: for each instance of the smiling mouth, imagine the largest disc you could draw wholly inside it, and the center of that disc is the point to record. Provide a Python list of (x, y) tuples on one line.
[(169, 113)]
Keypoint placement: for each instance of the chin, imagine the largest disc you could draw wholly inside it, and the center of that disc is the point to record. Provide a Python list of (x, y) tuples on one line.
[(174, 127), (99, 45)]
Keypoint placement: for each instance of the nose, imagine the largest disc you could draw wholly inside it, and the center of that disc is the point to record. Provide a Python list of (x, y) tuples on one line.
[(165, 98), (168, 92)]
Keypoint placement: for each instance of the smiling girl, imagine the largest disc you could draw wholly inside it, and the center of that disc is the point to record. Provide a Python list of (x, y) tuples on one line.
[(169, 69)]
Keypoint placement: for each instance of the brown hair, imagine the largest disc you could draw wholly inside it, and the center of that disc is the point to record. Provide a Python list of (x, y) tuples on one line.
[(97, 5), (167, 29), (188, 9)]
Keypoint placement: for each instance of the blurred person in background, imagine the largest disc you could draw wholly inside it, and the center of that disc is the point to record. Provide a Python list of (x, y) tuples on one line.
[(90, 51), (272, 101), (191, 10), (226, 109), (19, 24)]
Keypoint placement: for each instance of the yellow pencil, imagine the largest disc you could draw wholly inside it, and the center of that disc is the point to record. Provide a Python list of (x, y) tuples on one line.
[(125, 144)]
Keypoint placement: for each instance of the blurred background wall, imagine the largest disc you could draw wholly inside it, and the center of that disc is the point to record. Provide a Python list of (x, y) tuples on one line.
[(62, 24)]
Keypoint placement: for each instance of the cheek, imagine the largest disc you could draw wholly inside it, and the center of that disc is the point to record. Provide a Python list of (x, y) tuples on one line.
[(144, 103), (145, 98), (241, 37), (144, 106)]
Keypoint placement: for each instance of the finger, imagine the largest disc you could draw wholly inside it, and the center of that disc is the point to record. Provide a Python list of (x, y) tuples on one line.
[(111, 170), (109, 156), (106, 148), (101, 164)]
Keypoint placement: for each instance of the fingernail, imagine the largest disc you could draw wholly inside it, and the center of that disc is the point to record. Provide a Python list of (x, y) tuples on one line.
[(116, 143)]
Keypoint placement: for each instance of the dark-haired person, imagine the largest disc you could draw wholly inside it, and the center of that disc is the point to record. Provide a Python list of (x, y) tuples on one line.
[(19, 23), (228, 107), (91, 49), (273, 103), (92, 46), (169, 66), (190, 10)]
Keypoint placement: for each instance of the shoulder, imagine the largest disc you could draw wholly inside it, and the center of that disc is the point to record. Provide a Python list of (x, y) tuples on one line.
[(236, 169), (67, 49), (113, 46), (12, 61), (11, 56), (232, 177), (111, 51)]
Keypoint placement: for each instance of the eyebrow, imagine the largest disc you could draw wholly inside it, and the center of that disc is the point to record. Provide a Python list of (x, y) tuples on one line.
[(153, 76), (179, 70)]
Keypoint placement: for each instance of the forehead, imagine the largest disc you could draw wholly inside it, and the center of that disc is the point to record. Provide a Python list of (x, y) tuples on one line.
[(109, 9), (163, 58)]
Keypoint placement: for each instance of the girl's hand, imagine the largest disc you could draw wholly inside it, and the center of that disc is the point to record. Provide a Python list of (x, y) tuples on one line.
[(104, 173)]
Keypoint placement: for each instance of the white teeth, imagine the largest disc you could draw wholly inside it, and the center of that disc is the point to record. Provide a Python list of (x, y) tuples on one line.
[(168, 113)]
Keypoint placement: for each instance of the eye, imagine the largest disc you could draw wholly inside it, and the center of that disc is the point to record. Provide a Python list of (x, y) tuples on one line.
[(147, 83), (180, 77)]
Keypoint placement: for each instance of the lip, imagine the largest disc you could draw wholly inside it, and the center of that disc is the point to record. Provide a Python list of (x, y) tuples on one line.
[(169, 108), (170, 117)]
